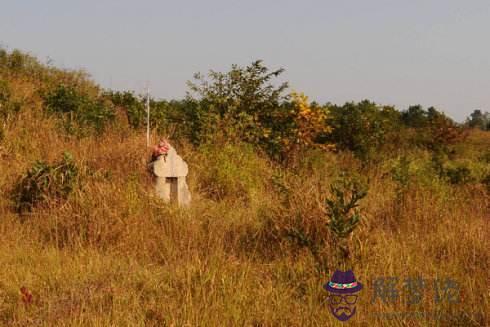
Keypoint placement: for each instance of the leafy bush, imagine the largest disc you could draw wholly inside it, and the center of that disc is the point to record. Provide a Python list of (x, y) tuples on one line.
[(79, 110), (134, 106), (175, 118), (245, 105), (19, 63), (443, 132), (44, 182), (454, 172), (242, 103), (362, 127), (230, 171), (459, 175), (479, 119)]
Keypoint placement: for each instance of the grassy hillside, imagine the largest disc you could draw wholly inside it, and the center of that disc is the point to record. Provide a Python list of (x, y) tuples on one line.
[(254, 248)]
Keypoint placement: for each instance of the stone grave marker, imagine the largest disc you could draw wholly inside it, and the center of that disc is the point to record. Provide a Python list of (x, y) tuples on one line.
[(171, 171)]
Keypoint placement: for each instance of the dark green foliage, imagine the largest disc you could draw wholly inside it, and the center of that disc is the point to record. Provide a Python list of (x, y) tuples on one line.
[(165, 116), (341, 206), (459, 175), (80, 111), (241, 104), (450, 171), (134, 106), (415, 116), (479, 119), (362, 127), (45, 182)]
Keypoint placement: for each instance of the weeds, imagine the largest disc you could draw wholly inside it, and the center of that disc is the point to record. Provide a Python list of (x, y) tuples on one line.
[(342, 210), (401, 176), (44, 182)]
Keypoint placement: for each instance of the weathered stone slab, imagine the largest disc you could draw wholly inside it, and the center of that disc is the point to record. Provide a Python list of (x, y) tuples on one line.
[(171, 165), (171, 171)]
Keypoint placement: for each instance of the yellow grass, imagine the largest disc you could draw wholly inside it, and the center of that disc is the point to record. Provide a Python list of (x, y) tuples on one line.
[(114, 255)]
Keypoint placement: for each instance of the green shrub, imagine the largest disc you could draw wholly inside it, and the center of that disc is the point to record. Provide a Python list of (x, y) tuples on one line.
[(175, 118), (341, 205), (231, 171), (459, 175), (134, 106), (342, 212), (362, 128), (17, 62), (44, 182), (243, 104), (80, 111), (401, 176)]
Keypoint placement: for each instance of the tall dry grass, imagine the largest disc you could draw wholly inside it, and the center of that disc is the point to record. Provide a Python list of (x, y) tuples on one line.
[(114, 255)]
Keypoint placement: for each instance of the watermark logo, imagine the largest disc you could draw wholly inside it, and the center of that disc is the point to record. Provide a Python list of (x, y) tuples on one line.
[(343, 288)]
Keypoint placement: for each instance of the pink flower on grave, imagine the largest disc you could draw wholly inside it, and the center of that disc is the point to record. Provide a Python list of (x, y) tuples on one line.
[(161, 149)]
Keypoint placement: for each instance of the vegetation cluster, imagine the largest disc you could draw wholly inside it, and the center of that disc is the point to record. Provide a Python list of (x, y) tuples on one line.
[(285, 191)]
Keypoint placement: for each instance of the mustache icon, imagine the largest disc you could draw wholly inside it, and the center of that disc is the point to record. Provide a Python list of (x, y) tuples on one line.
[(343, 313), (339, 309)]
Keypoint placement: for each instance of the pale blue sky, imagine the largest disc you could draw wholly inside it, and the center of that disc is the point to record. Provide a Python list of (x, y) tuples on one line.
[(400, 52)]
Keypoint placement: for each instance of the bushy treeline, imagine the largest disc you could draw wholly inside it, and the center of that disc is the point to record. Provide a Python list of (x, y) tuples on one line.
[(246, 103)]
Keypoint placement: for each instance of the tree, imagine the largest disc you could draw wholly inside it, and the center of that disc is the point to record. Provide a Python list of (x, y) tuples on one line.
[(241, 103), (415, 116), (478, 119)]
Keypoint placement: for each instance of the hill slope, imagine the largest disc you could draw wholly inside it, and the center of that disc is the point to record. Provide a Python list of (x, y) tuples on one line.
[(253, 249)]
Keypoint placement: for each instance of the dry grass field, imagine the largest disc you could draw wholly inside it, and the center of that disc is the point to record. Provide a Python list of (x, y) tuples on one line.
[(112, 254)]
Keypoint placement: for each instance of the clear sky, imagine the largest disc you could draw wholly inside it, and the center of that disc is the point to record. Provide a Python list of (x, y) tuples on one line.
[(399, 52)]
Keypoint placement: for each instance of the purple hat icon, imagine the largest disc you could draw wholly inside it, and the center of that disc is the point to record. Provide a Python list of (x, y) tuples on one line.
[(343, 282)]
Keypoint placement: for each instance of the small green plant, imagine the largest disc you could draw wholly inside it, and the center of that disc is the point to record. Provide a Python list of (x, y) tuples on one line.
[(401, 176), (342, 210), (43, 182)]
